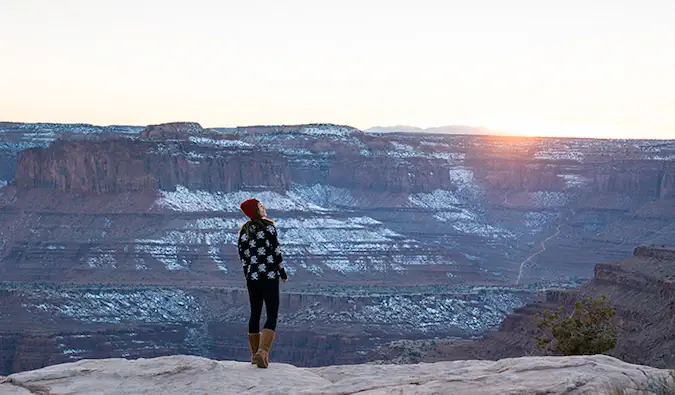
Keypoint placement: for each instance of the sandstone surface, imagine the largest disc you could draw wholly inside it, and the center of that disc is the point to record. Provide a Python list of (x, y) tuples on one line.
[(186, 375)]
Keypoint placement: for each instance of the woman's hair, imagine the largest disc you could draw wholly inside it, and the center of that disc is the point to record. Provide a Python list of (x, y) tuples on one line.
[(257, 220)]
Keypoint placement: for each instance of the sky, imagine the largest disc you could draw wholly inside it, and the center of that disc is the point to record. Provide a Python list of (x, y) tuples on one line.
[(591, 68)]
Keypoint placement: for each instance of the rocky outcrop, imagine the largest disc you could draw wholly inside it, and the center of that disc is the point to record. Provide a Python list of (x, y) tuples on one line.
[(113, 166), (655, 179), (123, 165), (640, 288), (381, 174), (193, 375), (171, 131)]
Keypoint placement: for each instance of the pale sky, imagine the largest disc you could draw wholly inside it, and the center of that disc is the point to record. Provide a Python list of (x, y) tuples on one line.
[(592, 68)]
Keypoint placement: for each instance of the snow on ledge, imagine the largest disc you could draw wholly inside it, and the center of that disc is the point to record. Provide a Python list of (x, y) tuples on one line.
[(185, 200), (219, 143), (438, 199)]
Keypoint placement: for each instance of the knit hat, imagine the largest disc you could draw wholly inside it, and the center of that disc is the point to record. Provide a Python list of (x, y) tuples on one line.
[(250, 207)]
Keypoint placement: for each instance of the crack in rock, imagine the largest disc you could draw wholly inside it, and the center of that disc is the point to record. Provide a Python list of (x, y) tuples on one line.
[(33, 389)]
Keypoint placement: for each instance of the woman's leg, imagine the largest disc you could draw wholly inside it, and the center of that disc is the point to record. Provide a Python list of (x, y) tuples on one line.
[(270, 291), (255, 297)]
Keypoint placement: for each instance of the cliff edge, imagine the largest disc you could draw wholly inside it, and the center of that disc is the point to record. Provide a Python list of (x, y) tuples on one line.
[(641, 288), (195, 375)]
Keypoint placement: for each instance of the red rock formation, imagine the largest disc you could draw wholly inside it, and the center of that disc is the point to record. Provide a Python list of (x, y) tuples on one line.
[(382, 174), (123, 165), (111, 166)]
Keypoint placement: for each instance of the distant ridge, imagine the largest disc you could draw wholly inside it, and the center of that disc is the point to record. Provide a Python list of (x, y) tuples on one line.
[(448, 129)]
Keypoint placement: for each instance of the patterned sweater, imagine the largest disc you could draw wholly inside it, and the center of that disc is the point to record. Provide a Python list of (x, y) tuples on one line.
[(260, 253)]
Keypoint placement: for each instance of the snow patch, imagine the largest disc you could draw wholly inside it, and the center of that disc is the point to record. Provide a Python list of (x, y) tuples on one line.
[(401, 147), (140, 264), (183, 199), (219, 143), (573, 180), (342, 265), (327, 130), (451, 216), (101, 259), (327, 223), (447, 155), (536, 220), (323, 195), (214, 254), (152, 306), (166, 254), (564, 153), (294, 151), (546, 199), (461, 176), (484, 230), (434, 312), (213, 223), (438, 199)]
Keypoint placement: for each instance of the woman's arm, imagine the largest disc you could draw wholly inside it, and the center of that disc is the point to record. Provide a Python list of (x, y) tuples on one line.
[(276, 250)]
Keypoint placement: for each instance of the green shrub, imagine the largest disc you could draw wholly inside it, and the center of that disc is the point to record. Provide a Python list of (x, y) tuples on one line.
[(586, 330)]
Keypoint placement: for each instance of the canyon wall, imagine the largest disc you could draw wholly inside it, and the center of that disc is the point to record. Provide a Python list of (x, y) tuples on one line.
[(640, 288), (385, 236)]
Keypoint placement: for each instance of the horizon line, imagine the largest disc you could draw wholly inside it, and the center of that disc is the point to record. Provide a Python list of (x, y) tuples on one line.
[(493, 133)]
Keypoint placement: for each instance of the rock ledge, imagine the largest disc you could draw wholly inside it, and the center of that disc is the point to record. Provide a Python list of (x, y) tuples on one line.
[(186, 375)]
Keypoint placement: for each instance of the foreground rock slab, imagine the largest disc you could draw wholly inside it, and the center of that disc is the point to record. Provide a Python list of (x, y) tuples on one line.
[(187, 375)]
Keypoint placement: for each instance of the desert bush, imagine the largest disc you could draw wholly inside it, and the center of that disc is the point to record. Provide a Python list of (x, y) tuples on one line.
[(586, 330)]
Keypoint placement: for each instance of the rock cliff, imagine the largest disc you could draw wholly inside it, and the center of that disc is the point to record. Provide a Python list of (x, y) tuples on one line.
[(640, 288), (596, 375), (124, 165), (171, 131)]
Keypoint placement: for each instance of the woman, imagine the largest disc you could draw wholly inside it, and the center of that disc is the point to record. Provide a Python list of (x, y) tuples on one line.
[(260, 255)]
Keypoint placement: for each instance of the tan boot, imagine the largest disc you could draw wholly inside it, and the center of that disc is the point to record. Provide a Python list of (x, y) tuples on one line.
[(261, 357), (253, 343)]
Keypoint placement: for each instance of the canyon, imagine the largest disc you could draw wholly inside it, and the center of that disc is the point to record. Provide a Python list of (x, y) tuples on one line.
[(118, 241)]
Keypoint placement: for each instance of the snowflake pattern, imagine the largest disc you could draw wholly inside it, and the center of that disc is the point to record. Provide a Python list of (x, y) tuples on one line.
[(260, 253)]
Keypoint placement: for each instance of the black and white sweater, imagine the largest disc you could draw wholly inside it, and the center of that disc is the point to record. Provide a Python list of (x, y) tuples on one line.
[(260, 252)]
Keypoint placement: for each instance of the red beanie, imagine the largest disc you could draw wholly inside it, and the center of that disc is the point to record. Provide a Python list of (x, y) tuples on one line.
[(250, 207)]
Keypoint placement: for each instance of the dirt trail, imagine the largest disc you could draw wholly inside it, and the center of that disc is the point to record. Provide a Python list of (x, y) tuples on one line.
[(543, 248)]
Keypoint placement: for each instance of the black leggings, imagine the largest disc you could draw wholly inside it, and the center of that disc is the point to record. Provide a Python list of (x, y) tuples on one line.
[(260, 291)]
